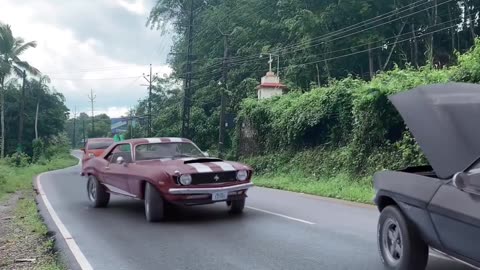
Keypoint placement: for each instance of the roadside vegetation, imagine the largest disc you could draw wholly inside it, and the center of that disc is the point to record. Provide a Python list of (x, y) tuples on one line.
[(340, 60), (32, 141), (24, 239)]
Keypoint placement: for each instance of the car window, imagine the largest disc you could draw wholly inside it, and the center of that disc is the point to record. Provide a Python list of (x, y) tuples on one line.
[(123, 150), (166, 150), (98, 145)]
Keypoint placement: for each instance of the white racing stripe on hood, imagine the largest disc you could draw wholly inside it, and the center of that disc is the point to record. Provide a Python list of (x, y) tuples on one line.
[(224, 165), (175, 139), (153, 140), (201, 168)]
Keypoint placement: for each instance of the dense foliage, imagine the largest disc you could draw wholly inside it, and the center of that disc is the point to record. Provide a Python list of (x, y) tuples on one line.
[(318, 44), (80, 128), (31, 110)]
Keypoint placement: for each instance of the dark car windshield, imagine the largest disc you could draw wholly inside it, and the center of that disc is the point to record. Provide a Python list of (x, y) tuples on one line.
[(166, 150), (98, 145)]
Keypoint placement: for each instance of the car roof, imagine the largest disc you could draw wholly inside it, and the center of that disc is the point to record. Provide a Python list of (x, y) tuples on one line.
[(155, 140), (100, 139)]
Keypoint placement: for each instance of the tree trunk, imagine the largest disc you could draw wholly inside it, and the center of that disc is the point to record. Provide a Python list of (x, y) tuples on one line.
[(415, 47), (36, 119), (370, 61), (379, 59), (430, 51), (2, 105), (394, 45), (471, 22), (21, 115), (452, 30), (318, 75)]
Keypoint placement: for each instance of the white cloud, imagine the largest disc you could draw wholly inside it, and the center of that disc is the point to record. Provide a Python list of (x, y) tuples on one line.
[(137, 6), (76, 64)]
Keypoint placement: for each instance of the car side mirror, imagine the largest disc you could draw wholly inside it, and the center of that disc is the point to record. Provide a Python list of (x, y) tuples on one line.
[(459, 180), (120, 160), (82, 149), (206, 154)]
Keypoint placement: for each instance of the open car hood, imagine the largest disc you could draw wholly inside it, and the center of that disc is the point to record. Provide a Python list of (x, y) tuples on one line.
[(445, 121)]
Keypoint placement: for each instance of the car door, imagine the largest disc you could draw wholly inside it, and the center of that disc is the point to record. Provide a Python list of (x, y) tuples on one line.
[(455, 211), (115, 174)]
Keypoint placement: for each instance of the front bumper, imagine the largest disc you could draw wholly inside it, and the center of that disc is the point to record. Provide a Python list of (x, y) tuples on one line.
[(189, 191)]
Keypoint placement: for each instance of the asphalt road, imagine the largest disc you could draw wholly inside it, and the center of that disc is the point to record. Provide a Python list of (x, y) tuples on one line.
[(279, 230)]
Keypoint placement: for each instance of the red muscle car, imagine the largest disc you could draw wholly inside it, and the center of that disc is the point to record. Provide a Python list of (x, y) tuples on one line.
[(95, 147), (165, 171)]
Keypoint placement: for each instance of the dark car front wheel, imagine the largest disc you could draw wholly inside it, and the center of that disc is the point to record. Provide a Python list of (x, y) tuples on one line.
[(97, 194), (154, 204), (400, 245)]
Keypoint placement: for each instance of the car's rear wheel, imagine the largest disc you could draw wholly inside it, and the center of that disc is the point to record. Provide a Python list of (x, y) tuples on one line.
[(399, 243), (97, 193), (154, 204), (236, 206)]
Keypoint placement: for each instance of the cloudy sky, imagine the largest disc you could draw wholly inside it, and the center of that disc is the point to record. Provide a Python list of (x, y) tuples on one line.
[(91, 44)]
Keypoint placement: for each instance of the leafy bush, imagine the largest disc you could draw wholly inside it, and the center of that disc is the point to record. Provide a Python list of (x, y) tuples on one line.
[(17, 159), (348, 126), (38, 149)]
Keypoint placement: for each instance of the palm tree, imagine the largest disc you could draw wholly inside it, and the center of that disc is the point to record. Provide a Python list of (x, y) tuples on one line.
[(42, 89), (10, 50)]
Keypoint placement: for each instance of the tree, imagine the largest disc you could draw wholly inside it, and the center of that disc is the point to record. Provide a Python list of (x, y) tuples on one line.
[(10, 50)]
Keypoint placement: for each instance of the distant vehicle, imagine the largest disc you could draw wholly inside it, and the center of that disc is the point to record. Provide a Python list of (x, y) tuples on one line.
[(164, 172), (95, 147), (435, 206)]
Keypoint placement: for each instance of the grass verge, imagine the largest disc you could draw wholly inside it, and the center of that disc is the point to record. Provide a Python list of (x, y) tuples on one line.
[(24, 234), (18, 179), (340, 186)]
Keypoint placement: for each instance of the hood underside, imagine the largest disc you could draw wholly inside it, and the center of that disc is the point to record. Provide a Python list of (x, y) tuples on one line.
[(445, 121)]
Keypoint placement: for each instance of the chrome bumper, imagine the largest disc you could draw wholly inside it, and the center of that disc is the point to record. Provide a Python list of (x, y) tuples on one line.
[(180, 191)]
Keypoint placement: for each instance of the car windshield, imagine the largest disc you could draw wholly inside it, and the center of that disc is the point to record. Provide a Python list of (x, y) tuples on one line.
[(167, 150), (98, 145)]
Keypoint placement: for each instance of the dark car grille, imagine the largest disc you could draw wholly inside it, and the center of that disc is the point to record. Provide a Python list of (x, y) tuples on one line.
[(213, 178)]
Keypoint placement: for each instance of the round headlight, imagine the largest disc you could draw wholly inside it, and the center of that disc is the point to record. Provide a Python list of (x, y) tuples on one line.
[(186, 179), (242, 175)]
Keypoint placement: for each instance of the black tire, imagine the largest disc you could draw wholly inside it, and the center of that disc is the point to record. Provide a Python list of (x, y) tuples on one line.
[(236, 206), (97, 193), (400, 245), (154, 204)]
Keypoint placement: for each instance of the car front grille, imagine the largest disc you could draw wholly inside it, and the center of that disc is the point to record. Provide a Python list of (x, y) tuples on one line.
[(213, 178)]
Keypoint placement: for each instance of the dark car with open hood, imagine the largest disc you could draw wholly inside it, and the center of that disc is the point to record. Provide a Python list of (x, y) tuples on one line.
[(435, 206), (164, 172)]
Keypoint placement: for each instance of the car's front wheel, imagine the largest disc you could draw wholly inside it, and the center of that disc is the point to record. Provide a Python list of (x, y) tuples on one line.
[(97, 194), (236, 206), (154, 204), (399, 243)]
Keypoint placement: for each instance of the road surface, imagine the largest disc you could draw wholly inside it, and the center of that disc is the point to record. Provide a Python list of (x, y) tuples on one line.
[(279, 230)]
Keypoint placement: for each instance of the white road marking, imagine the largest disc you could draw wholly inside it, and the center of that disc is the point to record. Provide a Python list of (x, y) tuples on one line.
[(224, 165), (72, 245), (201, 168), (281, 215)]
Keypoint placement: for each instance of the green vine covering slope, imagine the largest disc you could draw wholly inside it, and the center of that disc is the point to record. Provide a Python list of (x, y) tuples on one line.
[(315, 142)]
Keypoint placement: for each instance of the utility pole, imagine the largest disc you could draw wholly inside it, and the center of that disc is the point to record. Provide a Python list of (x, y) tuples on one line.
[(150, 80), (84, 138), (21, 114), (74, 127), (187, 84), (92, 100), (224, 86)]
